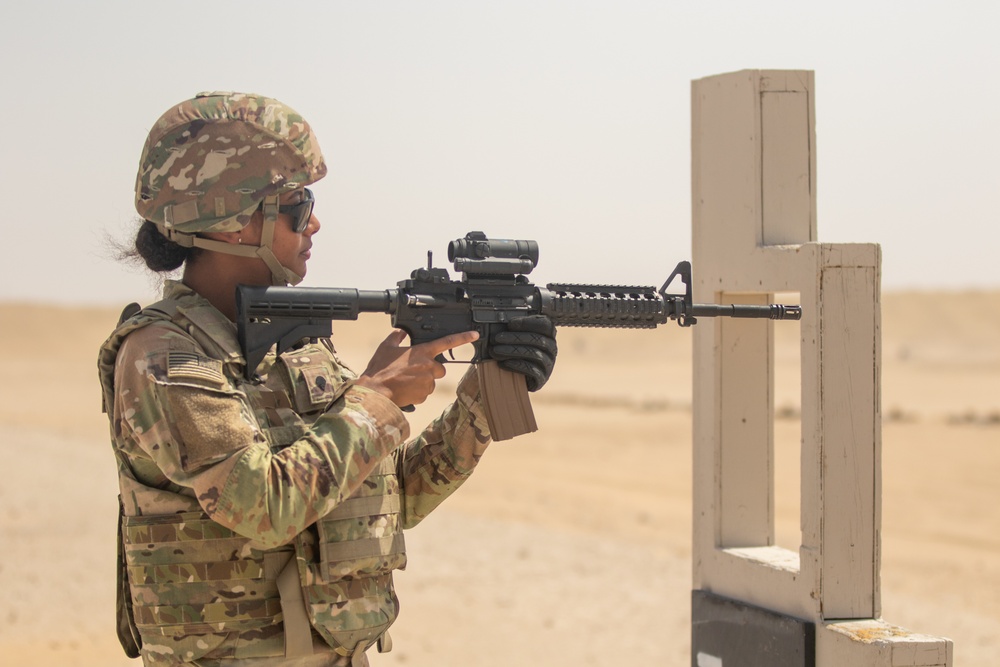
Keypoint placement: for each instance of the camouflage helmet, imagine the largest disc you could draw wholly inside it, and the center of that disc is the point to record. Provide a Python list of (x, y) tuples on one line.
[(210, 161)]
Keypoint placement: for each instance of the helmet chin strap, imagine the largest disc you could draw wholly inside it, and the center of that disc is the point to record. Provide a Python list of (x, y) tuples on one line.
[(280, 275)]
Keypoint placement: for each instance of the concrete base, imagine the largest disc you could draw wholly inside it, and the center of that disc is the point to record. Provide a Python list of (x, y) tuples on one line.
[(730, 633)]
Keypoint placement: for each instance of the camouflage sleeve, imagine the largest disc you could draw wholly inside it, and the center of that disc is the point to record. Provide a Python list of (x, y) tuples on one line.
[(199, 430), (443, 456)]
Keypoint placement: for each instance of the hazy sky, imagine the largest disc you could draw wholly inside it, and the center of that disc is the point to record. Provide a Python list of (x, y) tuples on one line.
[(565, 122)]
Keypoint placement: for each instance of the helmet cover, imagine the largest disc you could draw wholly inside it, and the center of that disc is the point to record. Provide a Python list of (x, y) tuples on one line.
[(210, 161)]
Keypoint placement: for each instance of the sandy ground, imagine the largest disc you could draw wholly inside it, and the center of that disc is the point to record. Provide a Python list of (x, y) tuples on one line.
[(570, 546)]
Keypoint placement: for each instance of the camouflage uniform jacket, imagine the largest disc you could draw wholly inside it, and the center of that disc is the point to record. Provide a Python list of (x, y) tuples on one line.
[(223, 482)]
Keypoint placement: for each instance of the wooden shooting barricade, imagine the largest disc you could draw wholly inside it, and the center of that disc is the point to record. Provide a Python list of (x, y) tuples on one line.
[(754, 235)]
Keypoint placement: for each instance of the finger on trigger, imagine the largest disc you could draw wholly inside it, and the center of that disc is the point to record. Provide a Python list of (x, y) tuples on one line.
[(452, 341)]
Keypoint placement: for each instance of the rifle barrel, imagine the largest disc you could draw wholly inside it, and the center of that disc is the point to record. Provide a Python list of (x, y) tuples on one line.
[(771, 311)]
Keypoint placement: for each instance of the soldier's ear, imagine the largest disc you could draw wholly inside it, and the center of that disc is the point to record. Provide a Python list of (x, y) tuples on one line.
[(249, 235), (225, 237)]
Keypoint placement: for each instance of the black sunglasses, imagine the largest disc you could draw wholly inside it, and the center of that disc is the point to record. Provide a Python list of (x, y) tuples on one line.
[(301, 212)]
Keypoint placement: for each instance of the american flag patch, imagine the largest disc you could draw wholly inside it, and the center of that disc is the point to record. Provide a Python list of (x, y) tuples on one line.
[(194, 366)]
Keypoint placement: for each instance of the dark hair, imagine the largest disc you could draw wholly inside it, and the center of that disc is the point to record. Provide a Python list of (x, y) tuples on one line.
[(158, 252)]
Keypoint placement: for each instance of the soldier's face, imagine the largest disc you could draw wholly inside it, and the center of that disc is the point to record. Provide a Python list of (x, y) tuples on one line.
[(293, 249)]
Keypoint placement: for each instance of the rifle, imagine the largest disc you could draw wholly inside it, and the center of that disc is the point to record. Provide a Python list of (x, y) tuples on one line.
[(494, 289)]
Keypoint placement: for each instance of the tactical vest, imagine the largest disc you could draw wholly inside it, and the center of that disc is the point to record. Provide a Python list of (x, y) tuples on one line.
[(197, 589)]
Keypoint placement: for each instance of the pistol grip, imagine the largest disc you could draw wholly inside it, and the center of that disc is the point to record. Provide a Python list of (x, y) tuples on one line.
[(505, 399)]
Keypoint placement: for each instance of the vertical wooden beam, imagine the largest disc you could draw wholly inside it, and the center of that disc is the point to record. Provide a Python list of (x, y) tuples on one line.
[(849, 354)]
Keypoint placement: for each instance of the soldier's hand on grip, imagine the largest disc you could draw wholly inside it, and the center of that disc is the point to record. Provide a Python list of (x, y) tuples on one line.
[(407, 375), (527, 347)]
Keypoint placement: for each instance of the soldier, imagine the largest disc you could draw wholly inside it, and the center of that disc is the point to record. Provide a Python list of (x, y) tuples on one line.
[(261, 521)]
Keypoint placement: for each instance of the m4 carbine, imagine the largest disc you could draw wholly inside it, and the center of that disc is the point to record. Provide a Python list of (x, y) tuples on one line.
[(493, 290)]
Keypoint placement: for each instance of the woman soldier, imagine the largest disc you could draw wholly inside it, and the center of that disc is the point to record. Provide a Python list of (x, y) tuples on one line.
[(261, 521)]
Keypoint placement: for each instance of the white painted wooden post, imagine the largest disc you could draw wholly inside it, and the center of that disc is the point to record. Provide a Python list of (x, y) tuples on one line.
[(754, 234)]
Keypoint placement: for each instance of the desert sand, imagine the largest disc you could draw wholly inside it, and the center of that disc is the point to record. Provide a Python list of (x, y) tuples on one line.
[(569, 546)]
